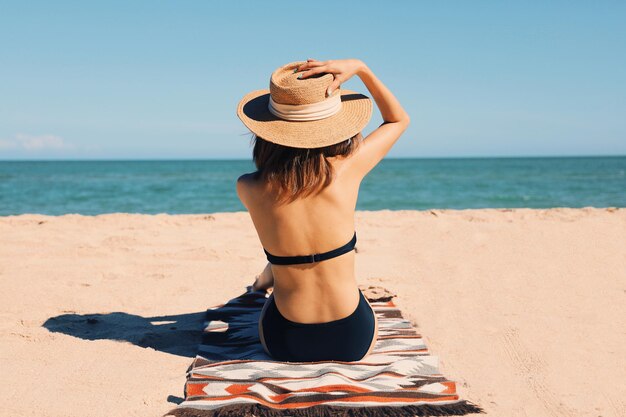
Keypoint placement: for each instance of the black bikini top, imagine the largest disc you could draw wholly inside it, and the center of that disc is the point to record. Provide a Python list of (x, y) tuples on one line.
[(303, 259)]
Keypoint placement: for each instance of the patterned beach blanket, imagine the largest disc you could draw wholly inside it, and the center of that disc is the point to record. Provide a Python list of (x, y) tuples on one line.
[(232, 375)]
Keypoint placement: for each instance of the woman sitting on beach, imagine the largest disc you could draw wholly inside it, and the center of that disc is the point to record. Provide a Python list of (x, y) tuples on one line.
[(311, 158)]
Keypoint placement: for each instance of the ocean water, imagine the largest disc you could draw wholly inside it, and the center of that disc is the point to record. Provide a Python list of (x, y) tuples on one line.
[(207, 186)]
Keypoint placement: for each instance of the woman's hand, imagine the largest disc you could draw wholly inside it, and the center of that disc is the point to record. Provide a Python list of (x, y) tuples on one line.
[(264, 280), (342, 70)]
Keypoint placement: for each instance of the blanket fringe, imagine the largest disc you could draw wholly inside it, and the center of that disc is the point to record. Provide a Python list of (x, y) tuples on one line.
[(256, 410)]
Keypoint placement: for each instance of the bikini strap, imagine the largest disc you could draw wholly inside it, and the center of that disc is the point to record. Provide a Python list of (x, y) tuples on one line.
[(317, 257)]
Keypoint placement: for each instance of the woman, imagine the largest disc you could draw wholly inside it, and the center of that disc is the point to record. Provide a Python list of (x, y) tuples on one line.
[(311, 159)]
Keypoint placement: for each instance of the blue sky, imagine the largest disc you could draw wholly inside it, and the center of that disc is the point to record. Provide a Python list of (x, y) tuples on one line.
[(155, 79)]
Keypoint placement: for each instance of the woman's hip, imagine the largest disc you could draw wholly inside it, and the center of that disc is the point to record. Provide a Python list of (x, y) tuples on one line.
[(345, 339)]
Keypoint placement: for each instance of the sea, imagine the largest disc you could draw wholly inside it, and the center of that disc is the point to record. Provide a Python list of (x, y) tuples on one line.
[(208, 186)]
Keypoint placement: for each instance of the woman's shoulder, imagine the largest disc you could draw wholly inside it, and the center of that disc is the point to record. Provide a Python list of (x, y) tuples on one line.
[(249, 176), (246, 184)]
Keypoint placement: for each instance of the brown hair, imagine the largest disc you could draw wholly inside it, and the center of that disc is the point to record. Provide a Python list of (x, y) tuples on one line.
[(298, 172)]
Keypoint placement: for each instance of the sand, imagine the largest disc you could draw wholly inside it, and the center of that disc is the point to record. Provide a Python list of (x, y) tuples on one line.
[(525, 308)]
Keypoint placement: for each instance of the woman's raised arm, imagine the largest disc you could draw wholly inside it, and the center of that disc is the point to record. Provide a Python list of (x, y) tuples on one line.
[(395, 119)]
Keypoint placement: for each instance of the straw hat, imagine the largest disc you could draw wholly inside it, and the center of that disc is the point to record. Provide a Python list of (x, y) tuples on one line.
[(297, 113)]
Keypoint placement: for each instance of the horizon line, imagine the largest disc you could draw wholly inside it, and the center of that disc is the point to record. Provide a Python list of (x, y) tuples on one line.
[(250, 159)]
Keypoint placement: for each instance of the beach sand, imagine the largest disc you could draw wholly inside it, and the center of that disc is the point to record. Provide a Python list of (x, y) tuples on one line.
[(525, 308)]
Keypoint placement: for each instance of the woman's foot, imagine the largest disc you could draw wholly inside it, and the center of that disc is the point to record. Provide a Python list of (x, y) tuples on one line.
[(264, 280)]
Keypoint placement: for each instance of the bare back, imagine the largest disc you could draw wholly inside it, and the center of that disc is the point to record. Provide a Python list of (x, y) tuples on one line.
[(327, 290), (320, 291)]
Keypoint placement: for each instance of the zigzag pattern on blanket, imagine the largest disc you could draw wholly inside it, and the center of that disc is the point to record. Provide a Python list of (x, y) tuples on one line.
[(232, 375)]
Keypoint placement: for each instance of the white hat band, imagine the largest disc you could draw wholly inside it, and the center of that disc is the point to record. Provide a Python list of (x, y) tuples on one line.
[(306, 112)]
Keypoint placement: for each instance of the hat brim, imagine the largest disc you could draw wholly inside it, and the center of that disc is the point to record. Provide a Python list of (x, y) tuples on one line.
[(355, 114)]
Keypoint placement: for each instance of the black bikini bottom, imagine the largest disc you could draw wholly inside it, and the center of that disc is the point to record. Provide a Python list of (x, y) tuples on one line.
[(345, 339)]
